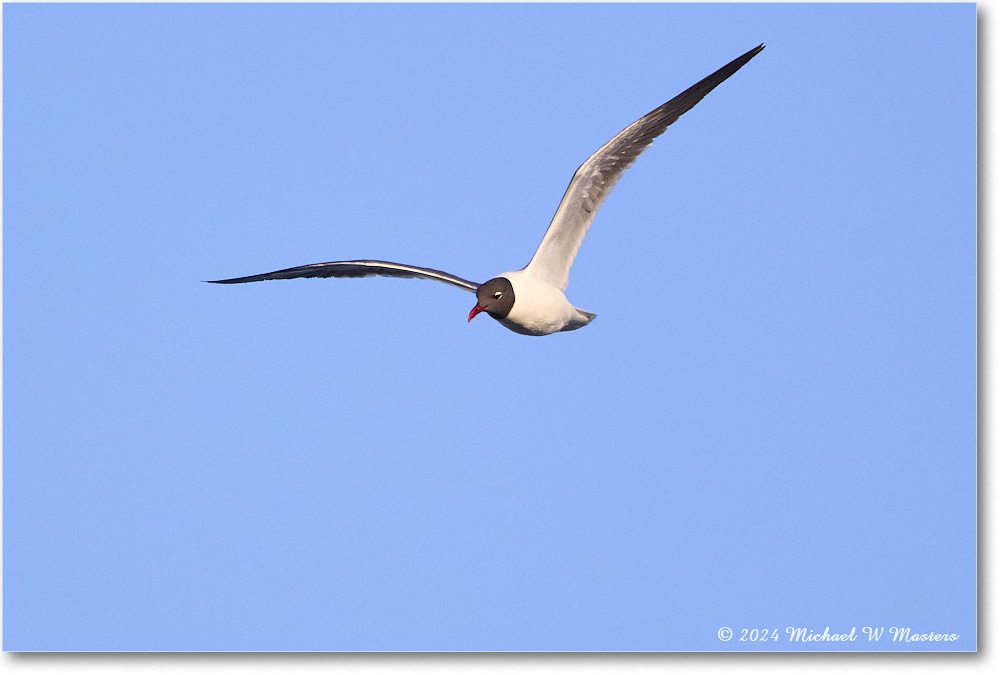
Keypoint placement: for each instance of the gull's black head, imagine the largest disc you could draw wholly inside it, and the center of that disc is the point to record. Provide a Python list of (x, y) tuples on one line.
[(495, 297)]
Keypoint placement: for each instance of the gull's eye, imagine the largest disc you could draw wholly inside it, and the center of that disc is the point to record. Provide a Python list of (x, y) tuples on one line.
[(498, 295)]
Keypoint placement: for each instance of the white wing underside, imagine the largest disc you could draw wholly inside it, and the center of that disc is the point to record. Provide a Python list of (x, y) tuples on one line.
[(596, 178)]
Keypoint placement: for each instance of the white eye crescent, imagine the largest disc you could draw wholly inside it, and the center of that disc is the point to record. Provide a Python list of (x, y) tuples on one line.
[(498, 295)]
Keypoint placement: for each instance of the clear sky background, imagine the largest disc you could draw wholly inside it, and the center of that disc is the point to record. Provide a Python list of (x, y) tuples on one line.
[(771, 423)]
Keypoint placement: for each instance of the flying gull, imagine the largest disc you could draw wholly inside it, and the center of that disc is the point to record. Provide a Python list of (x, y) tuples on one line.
[(531, 300)]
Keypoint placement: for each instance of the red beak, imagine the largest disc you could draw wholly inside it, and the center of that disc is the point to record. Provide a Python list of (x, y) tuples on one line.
[(475, 310)]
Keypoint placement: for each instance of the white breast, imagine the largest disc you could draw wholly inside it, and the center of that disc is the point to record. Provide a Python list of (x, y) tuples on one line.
[(539, 307)]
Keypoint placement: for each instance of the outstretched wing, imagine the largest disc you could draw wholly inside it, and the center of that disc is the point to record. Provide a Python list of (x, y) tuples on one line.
[(596, 177), (358, 268)]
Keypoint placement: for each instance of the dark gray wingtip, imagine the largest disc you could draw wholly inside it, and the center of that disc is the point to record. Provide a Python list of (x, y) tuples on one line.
[(240, 280)]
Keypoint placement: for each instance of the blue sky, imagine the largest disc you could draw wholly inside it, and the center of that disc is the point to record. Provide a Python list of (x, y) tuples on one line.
[(771, 423)]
